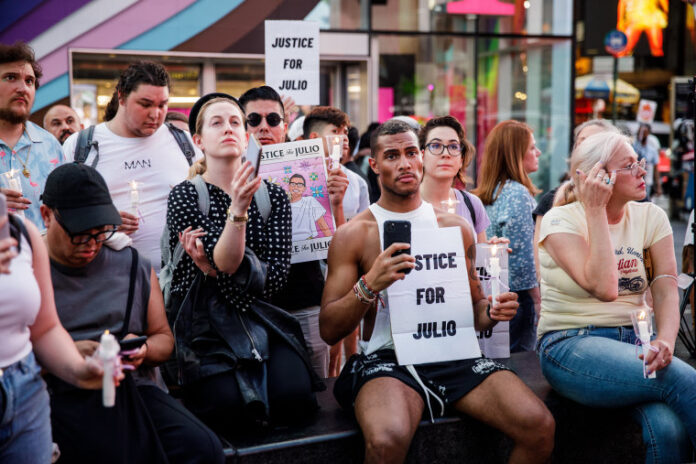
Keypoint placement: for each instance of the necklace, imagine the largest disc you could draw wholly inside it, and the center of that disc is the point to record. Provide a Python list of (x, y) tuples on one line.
[(25, 170)]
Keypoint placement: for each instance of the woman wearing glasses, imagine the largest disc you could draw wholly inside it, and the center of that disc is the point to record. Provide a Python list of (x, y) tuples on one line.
[(446, 154), (507, 191), (594, 272)]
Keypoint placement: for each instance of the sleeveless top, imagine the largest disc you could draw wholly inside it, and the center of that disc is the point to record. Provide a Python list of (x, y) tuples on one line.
[(20, 299), (422, 217)]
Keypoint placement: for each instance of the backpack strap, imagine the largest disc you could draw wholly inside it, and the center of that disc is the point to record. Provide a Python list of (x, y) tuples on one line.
[(84, 145), (263, 201), (470, 207), (183, 142), (203, 195), (131, 292), (18, 224)]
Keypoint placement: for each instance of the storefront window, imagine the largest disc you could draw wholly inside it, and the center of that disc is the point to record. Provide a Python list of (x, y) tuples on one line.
[(528, 80), (340, 14), (237, 78)]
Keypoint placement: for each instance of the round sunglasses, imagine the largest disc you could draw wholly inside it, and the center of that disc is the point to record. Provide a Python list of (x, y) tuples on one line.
[(273, 119)]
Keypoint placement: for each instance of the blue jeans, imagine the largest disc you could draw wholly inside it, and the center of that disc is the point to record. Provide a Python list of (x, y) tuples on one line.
[(599, 367), (25, 424)]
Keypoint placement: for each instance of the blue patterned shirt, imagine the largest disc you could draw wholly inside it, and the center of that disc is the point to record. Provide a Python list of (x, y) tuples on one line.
[(511, 217), (40, 151)]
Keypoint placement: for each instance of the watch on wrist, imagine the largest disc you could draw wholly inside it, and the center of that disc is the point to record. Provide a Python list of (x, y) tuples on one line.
[(236, 219)]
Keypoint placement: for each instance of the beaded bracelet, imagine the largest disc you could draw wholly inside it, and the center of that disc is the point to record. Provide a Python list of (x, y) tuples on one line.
[(360, 296)]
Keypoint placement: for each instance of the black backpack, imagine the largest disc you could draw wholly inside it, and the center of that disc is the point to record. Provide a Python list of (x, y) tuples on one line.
[(85, 142)]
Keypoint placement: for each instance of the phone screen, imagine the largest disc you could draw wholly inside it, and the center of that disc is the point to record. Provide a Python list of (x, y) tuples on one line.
[(253, 153), (398, 232)]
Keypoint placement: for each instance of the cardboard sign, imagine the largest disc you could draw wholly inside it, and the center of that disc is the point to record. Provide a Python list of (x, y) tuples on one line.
[(432, 318), (292, 59), (495, 342), (299, 168), (646, 111)]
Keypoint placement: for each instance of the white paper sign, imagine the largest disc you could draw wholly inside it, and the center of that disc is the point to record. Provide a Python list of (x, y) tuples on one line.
[(646, 111), (495, 342), (299, 168), (432, 318), (292, 59)]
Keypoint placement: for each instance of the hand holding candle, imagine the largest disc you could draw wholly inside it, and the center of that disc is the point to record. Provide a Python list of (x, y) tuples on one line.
[(335, 147), (641, 321), (108, 354)]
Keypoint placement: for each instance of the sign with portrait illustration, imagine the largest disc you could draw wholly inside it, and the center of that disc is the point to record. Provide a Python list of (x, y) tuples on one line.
[(292, 59), (299, 168), (432, 317)]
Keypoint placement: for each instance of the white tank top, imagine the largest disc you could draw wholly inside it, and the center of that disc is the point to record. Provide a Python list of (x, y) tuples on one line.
[(20, 299), (422, 217)]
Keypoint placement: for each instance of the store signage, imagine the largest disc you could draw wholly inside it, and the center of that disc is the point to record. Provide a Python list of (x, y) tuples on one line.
[(615, 42), (646, 111), (292, 59), (431, 314)]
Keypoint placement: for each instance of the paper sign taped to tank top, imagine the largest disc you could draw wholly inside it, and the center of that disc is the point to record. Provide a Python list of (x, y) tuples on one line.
[(432, 317), (300, 170)]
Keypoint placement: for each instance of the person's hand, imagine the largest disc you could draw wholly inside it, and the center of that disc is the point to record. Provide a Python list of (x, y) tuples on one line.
[(86, 347), (129, 223), (385, 269), (7, 250), (15, 200), (190, 240), (505, 306), (242, 189), (337, 184), (290, 108), (90, 375), (593, 189), (659, 359), (499, 241), (136, 358)]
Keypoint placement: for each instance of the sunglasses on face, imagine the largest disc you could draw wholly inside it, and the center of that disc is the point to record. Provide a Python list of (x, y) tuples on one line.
[(438, 148), (273, 119)]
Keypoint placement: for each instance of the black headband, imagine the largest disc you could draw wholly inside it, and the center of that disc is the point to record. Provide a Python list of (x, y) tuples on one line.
[(193, 116)]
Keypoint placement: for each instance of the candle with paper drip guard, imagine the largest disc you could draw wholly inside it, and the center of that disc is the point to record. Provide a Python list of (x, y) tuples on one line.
[(134, 196), (494, 271), (335, 143), (450, 205), (108, 352), (12, 180), (644, 333)]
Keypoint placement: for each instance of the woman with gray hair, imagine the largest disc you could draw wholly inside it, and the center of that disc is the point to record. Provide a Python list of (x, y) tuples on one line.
[(593, 275)]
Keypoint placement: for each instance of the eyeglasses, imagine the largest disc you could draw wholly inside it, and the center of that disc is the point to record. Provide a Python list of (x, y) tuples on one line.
[(438, 148), (633, 168), (296, 184), (273, 119), (82, 238)]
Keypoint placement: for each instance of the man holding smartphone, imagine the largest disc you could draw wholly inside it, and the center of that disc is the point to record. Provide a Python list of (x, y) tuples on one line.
[(389, 399), (97, 289)]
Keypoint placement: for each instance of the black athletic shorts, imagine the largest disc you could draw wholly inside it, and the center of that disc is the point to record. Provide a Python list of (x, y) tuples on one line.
[(449, 380)]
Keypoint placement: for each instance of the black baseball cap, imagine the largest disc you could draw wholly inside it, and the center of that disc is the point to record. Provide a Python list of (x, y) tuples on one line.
[(196, 108), (80, 195)]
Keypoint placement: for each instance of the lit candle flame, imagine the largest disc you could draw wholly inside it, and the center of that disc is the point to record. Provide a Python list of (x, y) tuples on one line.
[(133, 185), (494, 250), (641, 316)]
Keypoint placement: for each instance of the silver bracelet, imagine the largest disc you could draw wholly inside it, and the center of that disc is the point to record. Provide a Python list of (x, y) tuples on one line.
[(664, 275)]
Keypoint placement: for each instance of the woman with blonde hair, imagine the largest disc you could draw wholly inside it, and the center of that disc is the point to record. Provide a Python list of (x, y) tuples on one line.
[(504, 186), (242, 361), (592, 249)]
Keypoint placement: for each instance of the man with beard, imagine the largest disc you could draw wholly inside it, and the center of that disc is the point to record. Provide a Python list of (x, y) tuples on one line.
[(62, 121), (26, 150)]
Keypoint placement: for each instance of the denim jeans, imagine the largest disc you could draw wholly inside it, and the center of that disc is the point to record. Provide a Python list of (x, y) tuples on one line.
[(25, 425), (599, 367)]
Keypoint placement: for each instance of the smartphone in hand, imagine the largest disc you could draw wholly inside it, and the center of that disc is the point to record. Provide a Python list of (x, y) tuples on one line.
[(398, 232), (253, 154), (132, 343)]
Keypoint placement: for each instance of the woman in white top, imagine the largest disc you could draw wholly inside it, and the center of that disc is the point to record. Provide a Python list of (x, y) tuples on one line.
[(28, 321), (593, 274)]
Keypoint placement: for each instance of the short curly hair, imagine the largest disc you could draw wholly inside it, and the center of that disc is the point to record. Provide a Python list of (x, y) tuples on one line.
[(20, 51)]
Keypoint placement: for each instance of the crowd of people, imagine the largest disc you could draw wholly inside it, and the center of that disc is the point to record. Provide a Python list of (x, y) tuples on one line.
[(153, 226)]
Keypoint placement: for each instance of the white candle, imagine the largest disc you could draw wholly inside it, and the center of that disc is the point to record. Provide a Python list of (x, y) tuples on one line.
[(644, 335), (134, 196), (13, 182), (494, 271), (108, 350), (335, 155), (450, 205)]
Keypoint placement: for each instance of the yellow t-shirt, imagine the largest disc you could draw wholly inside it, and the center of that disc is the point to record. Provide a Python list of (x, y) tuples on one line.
[(566, 305)]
